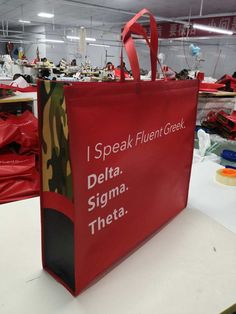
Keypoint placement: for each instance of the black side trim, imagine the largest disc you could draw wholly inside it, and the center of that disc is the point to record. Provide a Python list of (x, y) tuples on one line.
[(58, 233)]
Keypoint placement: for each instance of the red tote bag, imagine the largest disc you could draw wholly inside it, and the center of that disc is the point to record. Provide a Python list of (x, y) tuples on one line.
[(18, 177), (22, 130), (8, 133), (27, 126), (126, 153)]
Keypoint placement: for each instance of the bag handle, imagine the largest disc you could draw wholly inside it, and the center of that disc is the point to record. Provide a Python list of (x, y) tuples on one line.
[(134, 28)]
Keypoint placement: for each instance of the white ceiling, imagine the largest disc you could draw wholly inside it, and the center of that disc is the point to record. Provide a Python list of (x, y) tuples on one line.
[(70, 12), (105, 15)]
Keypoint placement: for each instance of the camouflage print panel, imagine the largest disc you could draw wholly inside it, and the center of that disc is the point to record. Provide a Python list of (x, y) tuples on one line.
[(56, 164), (231, 310)]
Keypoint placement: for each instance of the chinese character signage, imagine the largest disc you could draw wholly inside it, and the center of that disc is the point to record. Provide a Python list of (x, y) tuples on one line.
[(175, 30)]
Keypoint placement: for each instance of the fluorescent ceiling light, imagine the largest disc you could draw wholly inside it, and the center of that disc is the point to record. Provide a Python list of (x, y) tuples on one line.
[(47, 15), (90, 39), (212, 29), (99, 45), (73, 37), (77, 38), (24, 21), (44, 40)]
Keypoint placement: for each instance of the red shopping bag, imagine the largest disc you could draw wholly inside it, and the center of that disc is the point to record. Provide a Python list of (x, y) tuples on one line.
[(118, 73), (18, 177), (229, 82), (120, 168), (27, 125), (8, 133)]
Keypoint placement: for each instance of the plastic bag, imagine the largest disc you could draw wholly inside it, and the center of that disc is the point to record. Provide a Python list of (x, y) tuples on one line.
[(23, 130), (18, 177)]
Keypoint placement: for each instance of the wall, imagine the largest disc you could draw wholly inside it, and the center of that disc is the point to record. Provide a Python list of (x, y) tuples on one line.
[(218, 59), (2, 48), (30, 49), (219, 56), (217, 53), (97, 55)]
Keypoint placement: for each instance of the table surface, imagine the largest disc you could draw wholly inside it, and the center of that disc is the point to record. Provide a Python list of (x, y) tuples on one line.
[(5, 78), (212, 198), (217, 94), (20, 97), (186, 268)]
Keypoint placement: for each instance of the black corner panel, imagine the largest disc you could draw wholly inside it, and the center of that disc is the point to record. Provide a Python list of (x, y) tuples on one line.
[(58, 234)]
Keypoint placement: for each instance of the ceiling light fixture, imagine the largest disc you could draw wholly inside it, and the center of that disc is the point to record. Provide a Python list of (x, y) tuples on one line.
[(72, 37), (24, 21), (99, 45), (212, 29), (77, 38), (47, 15), (45, 40), (90, 39)]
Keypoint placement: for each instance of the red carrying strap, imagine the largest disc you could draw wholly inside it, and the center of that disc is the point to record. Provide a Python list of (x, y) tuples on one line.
[(134, 28)]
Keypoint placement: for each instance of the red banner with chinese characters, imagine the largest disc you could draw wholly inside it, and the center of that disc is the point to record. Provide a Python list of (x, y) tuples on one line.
[(175, 30)]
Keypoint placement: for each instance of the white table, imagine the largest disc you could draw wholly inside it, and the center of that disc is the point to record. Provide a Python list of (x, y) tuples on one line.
[(5, 80), (34, 97), (212, 198), (23, 97), (186, 268)]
